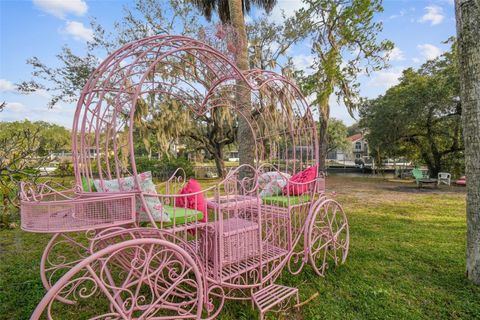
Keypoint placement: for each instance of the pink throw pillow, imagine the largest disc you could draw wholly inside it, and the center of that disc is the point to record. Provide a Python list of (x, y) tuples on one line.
[(193, 201), (300, 185)]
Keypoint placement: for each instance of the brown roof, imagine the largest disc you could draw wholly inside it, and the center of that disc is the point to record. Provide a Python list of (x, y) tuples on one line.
[(355, 137)]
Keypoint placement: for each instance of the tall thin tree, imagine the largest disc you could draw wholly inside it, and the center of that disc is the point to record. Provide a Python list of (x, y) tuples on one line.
[(467, 13), (344, 38), (232, 11)]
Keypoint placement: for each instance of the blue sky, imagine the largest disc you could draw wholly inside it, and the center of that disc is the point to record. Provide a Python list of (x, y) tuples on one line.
[(41, 27)]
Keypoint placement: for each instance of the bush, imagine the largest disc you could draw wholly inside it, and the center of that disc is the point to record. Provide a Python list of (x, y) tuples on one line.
[(9, 196), (164, 168), (9, 213), (64, 169)]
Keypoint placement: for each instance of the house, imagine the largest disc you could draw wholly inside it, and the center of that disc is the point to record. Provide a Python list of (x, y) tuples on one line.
[(358, 150), (66, 156), (359, 145), (61, 156), (338, 155)]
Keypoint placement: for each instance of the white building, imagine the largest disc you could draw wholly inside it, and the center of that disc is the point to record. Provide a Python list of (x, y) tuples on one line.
[(358, 150)]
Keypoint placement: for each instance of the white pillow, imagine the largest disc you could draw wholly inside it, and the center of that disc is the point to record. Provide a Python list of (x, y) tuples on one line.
[(146, 185), (272, 183)]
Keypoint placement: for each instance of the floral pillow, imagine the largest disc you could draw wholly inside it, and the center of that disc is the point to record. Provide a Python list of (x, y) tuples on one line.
[(146, 185), (272, 183), (301, 183), (195, 199)]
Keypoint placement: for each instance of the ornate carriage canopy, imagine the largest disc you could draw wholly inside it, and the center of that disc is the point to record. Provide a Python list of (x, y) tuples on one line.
[(179, 255), (175, 85)]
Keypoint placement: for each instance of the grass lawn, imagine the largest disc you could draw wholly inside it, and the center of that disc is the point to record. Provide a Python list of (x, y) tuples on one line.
[(406, 260)]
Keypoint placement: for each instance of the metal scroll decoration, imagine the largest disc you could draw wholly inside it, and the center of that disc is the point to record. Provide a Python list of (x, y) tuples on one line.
[(155, 252)]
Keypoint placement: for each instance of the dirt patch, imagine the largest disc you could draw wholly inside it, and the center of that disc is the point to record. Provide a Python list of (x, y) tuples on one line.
[(371, 190)]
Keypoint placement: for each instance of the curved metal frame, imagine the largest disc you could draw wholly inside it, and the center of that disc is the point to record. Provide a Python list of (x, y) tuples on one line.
[(93, 272), (244, 242)]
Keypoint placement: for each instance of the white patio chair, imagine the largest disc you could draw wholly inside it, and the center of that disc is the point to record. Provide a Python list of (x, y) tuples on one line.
[(444, 177)]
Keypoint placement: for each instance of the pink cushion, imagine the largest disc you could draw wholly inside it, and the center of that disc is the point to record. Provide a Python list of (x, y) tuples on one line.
[(193, 201), (300, 185), (462, 181)]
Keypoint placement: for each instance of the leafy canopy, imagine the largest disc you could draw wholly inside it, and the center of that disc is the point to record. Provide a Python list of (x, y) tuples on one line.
[(337, 135), (419, 117), (344, 36), (24, 147)]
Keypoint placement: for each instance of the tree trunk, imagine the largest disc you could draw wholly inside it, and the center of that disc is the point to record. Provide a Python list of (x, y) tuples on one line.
[(219, 163), (437, 166), (468, 34), (434, 166), (433, 162), (322, 136), (246, 149), (323, 96)]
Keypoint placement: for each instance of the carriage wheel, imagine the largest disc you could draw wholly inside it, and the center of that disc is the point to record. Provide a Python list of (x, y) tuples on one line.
[(328, 236), (61, 254), (140, 278)]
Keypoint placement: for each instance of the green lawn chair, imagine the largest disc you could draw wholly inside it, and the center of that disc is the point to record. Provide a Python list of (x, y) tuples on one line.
[(419, 174)]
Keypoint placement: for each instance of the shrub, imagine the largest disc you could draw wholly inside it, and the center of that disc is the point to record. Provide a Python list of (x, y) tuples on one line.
[(9, 200), (64, 169), (164, 168), (9, 213)]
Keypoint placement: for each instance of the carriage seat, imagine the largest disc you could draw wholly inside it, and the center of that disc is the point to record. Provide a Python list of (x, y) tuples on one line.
[(284, 201), (127, 184), (181, 215), (283, 190)]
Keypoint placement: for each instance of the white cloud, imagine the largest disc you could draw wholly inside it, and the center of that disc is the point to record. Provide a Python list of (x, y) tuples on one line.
[(395, 54), (288, 7), (42, 93), (400, 14), (29, 109), (339, 111), (429, 51), (434, 15), (416, 60), (78, 31), (15, 107), (6, 86), (385, 78), (60, 8), (303, 62)]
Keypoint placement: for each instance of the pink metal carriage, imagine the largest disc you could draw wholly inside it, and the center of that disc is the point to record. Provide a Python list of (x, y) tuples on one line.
[(122, 250)]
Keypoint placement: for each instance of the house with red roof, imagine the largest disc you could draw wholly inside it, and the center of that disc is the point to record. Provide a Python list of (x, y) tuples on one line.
[(358, 150), (359, 145)]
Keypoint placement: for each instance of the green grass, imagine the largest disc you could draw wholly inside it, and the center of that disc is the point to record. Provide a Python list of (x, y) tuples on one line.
[(406, 260)]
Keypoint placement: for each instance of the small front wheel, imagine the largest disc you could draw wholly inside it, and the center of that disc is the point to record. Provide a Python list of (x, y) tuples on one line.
[(328, 236), (141, 278)]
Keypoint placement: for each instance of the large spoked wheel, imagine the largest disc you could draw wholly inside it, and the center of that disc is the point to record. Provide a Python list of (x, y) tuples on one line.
[(328, 236), (140, 278), (62, 253)]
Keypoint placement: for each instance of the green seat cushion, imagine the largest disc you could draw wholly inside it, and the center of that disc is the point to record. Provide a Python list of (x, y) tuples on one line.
[(85, 185), (282, 201), (182, 215)]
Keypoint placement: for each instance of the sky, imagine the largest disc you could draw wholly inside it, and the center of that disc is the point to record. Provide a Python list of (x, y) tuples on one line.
[(41, 28)]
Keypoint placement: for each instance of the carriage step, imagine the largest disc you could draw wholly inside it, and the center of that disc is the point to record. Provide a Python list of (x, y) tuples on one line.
[(272, 295)]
